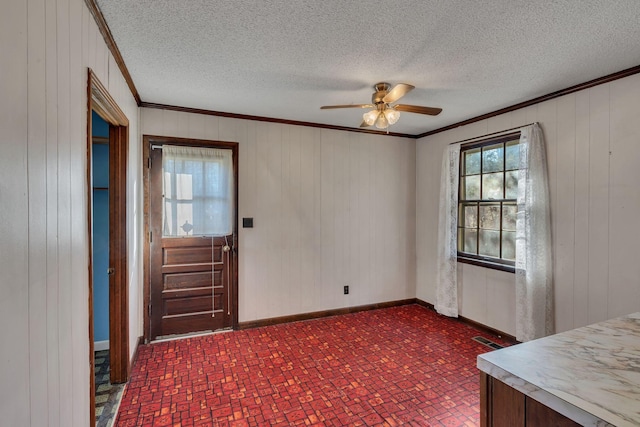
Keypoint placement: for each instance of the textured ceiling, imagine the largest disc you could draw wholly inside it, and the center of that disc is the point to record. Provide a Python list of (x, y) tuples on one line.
[(286, 58)]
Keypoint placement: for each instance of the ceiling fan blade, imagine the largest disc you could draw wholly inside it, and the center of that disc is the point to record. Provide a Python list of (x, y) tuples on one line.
[(431, 111), (330, 107), (398, 91), (364, 124)]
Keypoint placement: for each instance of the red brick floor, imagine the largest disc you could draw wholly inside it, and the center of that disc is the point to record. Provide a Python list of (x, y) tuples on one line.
[(397, 366)]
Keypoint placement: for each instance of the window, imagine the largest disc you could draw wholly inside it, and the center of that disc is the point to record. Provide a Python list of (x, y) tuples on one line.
[(197, 191), (487, 202)]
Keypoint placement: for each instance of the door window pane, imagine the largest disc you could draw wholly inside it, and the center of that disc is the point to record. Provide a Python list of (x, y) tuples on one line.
[(198, 191)]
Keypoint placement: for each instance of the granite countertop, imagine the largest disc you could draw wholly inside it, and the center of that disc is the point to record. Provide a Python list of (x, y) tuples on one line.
[(589, 374)]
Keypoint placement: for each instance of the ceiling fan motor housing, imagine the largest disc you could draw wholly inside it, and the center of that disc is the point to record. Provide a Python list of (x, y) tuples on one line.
[(381, 90)]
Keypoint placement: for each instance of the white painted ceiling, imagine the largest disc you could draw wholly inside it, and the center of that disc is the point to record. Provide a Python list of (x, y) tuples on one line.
[(286, 58)]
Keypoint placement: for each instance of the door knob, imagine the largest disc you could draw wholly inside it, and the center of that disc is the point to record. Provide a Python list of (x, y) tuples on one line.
[(110, 271)]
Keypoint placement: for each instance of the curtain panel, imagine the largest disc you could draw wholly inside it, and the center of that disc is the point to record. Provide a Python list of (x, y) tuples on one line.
[(534, 266), (447, 275)]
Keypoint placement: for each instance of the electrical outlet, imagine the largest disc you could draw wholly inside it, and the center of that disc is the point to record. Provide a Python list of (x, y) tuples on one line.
[(346, 289)]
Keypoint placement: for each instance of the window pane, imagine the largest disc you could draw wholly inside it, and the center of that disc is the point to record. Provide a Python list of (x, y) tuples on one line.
[(492, 186), (492, 157), (512, 155), (489, 243), (509, 217), (490, 216), (468, 216), (470, 240), (470, 188), (509, 245), (472, 162), (511, 190), (198, 191)]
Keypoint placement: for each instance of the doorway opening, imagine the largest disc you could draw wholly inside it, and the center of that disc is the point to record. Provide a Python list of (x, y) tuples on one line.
[(107, 146), (107, 394), (190, 202)]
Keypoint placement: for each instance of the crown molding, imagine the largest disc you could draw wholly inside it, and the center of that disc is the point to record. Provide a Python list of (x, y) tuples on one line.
[(113, 47), (270, 119), (586, 85)]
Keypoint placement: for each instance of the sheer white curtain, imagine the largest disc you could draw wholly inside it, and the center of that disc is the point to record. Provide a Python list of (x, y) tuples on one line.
[(198, 191), (447, 277), (534, 269)]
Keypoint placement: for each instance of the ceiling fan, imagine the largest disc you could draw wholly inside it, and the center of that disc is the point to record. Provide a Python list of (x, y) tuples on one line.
[(384, 114)]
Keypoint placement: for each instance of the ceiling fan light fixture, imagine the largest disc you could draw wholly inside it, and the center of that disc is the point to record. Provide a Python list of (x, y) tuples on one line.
[(392, 115), (385, 111), (382, 122), (370, 117)]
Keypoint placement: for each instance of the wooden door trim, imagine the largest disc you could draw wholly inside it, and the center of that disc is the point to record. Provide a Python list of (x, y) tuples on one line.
[(118, 242), (147, 141), (99, 100)]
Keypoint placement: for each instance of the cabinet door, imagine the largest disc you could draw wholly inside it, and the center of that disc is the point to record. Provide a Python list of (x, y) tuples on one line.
[(508, 406), (540, 415), (504, 406), (500, 405)]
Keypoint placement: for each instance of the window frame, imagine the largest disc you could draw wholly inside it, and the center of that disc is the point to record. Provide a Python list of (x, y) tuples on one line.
[(476, 259)]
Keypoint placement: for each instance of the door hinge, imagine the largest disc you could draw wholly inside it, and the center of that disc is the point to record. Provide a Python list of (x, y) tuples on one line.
[(150, 237), (149, 162), (150, 310)]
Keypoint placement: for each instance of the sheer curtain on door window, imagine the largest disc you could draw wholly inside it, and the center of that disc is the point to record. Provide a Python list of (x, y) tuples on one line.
[(197, 190)]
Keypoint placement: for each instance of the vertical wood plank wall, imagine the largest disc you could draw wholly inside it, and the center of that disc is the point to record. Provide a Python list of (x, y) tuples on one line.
[(593, 147), (330, 209), (46, 49)]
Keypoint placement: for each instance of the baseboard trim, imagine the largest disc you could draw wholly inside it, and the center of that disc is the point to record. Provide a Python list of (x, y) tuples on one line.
[(425, 304), (101, 345), (487, 329), (139, 342), (320, 314), (346, 310)]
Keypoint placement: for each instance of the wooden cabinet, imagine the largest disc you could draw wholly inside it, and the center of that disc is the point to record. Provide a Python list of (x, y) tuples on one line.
[(504, 406)]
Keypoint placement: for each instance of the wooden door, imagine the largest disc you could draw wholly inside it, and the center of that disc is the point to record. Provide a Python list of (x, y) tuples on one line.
[(191, 278)]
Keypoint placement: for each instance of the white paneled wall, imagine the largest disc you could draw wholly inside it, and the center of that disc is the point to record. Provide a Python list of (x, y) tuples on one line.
[(46, 48), (593, 147), (330, 209)]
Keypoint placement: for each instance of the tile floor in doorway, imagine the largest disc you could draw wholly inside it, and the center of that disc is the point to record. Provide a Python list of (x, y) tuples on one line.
[(389, 367), (107, 395)]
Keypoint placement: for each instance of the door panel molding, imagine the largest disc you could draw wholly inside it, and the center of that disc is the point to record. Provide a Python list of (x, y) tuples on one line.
[(148, 141)]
